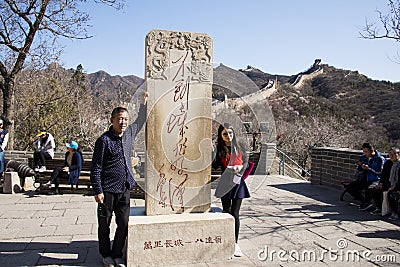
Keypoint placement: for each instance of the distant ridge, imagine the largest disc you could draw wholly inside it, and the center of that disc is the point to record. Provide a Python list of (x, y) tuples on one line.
[(103, 83), (368, 104)]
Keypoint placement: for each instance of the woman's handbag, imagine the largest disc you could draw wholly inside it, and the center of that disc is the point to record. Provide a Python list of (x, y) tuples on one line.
[(248, 170)]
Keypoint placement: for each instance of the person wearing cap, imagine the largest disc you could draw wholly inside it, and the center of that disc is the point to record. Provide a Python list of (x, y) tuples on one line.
[(3, 144), (71, 169), (112, 177), (45, 146)]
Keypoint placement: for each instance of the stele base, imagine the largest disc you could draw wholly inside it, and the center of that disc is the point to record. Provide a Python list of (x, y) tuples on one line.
[(187, 238)]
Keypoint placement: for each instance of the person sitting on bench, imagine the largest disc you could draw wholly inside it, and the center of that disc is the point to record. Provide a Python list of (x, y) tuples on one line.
[(371, 164), (71, 170), (376, 192), (45, 146)]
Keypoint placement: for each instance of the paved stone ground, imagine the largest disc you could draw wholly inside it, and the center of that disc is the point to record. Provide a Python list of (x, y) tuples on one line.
[(286, 222)]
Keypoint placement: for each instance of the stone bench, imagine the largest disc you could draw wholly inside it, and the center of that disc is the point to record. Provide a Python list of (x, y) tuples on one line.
[(84, 184)]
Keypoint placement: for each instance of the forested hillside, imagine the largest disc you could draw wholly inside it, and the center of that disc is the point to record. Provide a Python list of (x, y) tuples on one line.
[(337, 107)]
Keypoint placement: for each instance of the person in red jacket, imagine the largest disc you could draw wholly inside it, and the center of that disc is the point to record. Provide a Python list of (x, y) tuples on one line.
[(231, 157)]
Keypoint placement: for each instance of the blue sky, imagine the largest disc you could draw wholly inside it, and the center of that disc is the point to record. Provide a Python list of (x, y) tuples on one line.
[(277, 36)]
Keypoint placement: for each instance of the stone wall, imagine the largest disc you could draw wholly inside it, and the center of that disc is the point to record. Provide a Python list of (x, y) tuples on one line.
[(331, 166), (22, 156)]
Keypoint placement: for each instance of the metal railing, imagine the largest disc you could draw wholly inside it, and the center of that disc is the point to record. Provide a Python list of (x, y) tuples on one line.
[(283, 158)]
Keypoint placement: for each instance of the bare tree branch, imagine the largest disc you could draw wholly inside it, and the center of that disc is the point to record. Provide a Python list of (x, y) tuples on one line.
[(29, 30), (388, 25)]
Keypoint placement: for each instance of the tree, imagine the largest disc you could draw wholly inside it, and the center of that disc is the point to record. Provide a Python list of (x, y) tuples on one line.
[(61, 102), (388, 26), (298, 137), (88, 121), (29, 31)]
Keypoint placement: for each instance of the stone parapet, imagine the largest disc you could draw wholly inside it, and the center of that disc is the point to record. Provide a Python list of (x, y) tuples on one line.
[(22, 156), (331, 166), (266, 159)]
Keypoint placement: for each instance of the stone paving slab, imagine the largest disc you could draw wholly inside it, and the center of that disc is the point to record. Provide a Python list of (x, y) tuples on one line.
[(283, 214)]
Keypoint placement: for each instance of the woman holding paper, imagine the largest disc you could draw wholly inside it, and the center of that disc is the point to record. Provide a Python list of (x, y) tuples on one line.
[(232, 159)]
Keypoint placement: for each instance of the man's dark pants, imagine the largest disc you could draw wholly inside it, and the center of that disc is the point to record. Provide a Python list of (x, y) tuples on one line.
[(355, 188), (119, 203)]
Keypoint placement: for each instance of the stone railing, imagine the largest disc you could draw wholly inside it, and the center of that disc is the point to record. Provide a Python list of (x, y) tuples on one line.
[(22, 156), (331, 166)]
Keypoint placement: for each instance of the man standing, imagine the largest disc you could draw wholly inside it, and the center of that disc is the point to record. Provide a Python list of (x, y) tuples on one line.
[(112, 178), (3, 144)]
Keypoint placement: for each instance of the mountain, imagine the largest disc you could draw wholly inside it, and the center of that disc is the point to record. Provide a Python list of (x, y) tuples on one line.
[(102, 83), (321, 90), (232, 83), (368, 105)]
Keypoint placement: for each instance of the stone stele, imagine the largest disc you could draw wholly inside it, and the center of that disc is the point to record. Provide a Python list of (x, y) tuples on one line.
[(179, 81)]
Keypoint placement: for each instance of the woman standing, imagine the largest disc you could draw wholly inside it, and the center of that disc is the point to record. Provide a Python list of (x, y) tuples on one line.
[(71, 170), (232, 159)]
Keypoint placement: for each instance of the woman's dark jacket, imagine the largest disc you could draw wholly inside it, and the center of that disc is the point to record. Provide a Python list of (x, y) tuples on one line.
[(225, 183), (75, 168)]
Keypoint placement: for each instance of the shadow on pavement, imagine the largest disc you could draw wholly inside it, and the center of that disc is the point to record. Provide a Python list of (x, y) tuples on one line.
[(331, 207), (392, 234), (29, 253)]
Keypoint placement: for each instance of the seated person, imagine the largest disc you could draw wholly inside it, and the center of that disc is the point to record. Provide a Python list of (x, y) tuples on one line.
[(45, 146), (376, 192), (71, 170), (370, 166)]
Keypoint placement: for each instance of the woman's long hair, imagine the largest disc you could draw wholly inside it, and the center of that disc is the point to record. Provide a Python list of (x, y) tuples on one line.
[(222, 149), (79, 150)]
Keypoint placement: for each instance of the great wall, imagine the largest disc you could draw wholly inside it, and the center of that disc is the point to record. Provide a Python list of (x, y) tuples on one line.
[(238, 103)]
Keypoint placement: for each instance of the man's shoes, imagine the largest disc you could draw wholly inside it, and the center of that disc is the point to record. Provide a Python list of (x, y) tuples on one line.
[(119, 262), (55, 192), (108, 262), (238, 251), (366, 206), (394, 217), (42, 169), (377, 211), (362, 206), (352, 203)]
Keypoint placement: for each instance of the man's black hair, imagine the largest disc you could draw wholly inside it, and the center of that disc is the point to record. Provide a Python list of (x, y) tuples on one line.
[(118, 110), (368, 146)]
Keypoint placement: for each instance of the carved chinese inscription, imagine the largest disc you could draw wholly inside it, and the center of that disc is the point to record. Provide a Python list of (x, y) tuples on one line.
[(179, 80)]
